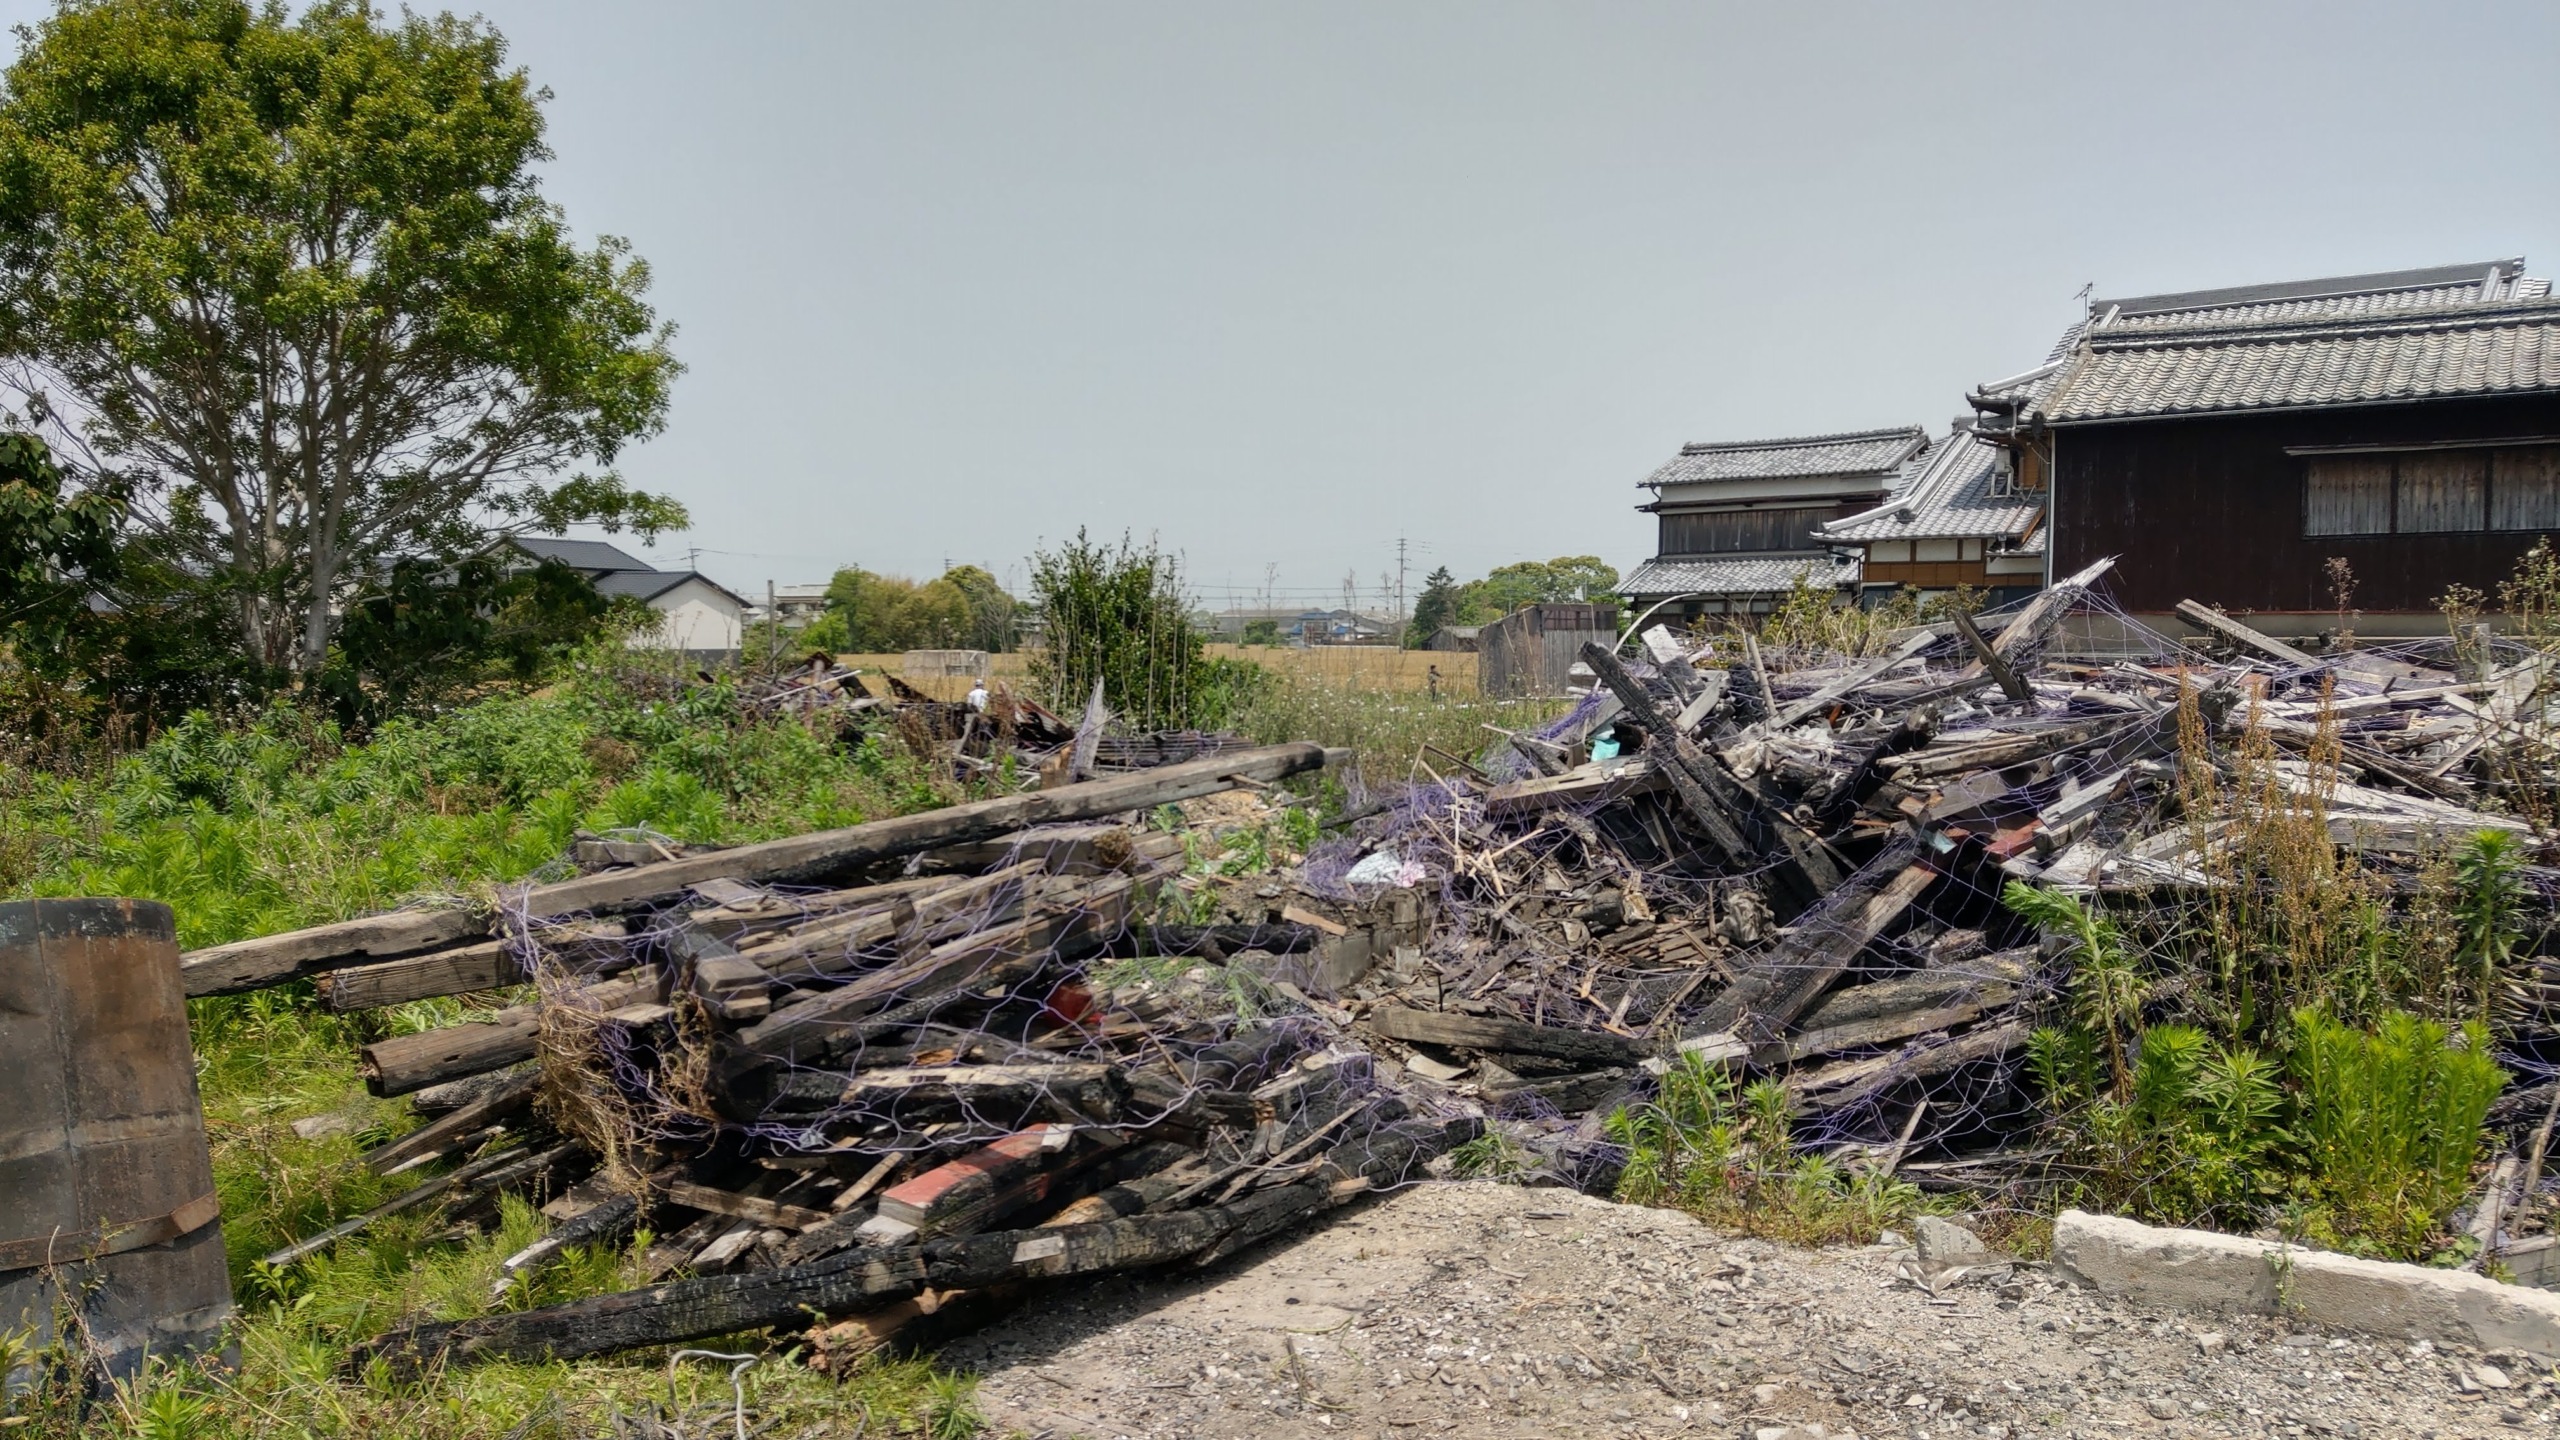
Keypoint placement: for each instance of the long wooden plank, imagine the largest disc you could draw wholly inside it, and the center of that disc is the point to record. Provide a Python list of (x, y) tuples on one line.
[(998, 953), (2239, 634), (274, 959), (1835, 1087), (2037, 616), (1797, 711), (1581, 787), (514, 1094), (489, 965), (405, 1063), (743, 1207), (1477, 1032)]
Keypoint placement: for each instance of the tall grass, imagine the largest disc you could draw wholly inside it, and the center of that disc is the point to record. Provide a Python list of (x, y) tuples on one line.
[(1395, 735)]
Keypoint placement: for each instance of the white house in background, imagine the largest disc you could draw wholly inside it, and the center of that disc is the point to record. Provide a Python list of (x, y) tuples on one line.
[(695, 613)]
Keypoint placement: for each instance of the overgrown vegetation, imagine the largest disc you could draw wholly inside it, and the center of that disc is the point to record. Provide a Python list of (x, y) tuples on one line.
[(1817, 618), (1115, 616), (1726, 1153), (2353, 1129), (1394, 734), (281, 821)]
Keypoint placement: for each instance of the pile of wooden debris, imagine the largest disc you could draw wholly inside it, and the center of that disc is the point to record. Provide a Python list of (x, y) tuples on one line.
[(1794, 865), (911, 1071), (845, 1099)]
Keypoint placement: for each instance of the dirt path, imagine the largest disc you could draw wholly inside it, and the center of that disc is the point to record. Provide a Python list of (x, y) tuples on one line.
[(1486, 1310)]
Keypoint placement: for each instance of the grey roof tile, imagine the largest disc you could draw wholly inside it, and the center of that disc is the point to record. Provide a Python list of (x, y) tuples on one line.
[(2455, 330), (2416, 355), (1951, 491), (650, 584), (1857, 452), (580, 554), (1737, 574), (2480, 281)]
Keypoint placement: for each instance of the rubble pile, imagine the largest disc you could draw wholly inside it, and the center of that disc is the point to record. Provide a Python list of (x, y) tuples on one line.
[(970, 737), (914, 1071), (1793, 865)]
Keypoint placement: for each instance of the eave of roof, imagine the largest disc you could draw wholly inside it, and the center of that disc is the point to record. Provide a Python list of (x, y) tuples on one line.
[(1950, 493), (1848, 452), (1737, 574)]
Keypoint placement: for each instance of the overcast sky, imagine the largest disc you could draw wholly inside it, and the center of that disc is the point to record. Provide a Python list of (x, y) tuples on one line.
[(1281, 284)]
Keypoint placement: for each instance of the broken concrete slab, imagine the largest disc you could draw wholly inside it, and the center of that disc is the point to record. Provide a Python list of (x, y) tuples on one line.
[(1946, 1243), (2196, 1269)]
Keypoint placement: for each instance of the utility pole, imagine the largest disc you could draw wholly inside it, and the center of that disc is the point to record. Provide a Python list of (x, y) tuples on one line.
[(772, 629), (1401, 626)]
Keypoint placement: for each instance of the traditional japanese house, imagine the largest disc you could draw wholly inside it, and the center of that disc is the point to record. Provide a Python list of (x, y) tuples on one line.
[(2314, 453), (1738, 519)]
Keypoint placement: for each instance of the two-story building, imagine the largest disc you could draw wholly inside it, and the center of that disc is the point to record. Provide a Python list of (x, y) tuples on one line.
[(1740, 521)]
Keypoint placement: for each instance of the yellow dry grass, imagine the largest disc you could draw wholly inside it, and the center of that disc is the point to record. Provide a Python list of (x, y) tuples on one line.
[(1345, 667)]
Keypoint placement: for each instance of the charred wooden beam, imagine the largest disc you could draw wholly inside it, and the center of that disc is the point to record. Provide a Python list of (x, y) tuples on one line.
[(512, 1097), (2011, 683), (869, 1278), (1784, 983), (1476, 1032), (405, 1063), (1680, 760)]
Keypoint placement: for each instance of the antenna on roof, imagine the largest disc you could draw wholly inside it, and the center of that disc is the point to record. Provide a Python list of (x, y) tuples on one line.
[(2083, 297)]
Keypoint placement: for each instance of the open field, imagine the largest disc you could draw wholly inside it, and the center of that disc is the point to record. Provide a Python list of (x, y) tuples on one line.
[(1355, 667)]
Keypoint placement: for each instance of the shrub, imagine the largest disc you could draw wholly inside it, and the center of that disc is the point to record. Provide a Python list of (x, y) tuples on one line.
[(1726, 1154), (1116, 616), (2390, 1124)]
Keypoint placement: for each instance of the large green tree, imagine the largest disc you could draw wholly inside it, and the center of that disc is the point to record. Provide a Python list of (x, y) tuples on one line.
[(1506, 588), (963, 609), (289, 281), (1435, 607)]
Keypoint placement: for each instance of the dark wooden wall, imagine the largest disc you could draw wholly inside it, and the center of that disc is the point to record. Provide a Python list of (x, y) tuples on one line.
[(2210, 508), (1532, 650)]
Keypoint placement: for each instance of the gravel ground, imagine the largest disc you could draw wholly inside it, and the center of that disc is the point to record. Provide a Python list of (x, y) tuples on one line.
[(1489, 1310)]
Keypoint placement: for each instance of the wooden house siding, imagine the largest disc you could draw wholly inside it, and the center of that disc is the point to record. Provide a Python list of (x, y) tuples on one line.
[(2216, 508), (1532, 650), (1930, 574)]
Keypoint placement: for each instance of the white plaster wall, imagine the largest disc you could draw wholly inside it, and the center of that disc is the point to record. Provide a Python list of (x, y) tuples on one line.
[(695, 616)]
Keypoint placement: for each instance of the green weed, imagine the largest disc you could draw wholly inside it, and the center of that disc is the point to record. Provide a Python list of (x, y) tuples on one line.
[(2390, 1122), (1727, 1155)]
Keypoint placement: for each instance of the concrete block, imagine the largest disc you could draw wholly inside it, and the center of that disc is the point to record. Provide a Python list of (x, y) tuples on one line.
[(1944, 1242), (2199, 1270)]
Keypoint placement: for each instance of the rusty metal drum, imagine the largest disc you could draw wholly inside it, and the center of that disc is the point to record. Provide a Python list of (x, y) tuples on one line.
[(109, 1239)]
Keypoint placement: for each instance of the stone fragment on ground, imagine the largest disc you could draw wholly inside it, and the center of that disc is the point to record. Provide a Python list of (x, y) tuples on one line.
[(1487, 1310)]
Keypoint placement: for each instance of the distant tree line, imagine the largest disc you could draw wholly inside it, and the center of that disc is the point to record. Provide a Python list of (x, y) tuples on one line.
[(1444, 601), (963, 609)]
